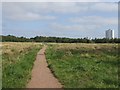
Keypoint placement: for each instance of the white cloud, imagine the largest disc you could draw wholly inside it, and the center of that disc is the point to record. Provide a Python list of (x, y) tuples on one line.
[(19, 11), (95, 20), (30, 16), (75, 27), (107, 7), (57, 26), (69, 7), (60, 0), (36, 10), (86, 23), (52, 1)]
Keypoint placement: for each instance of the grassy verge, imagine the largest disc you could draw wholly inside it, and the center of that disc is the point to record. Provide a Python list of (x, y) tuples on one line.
[(0, 66), (18, 63), (84, 65)]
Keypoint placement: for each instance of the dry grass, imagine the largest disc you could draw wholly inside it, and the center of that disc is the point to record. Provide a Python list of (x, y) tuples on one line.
[(84, 45), (12, 50), (0, 65), (84, 65), (17, 62)]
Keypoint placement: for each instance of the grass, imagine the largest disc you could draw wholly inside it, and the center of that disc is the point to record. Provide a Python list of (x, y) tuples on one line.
[(0, 66), (17, 63), (84, 65)]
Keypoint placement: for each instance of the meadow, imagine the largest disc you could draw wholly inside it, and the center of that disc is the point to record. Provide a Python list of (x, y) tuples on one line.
[(17, 63), (75, 65), (84, 65), (0, 66)]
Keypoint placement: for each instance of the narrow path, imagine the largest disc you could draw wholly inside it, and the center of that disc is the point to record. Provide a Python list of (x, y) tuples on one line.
[(41, 75)]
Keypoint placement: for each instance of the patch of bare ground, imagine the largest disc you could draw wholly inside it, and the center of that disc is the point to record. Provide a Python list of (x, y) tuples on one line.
[(41, 74)]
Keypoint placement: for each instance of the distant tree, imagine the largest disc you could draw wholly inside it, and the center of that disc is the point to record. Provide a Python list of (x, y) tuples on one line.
[(11, 38)]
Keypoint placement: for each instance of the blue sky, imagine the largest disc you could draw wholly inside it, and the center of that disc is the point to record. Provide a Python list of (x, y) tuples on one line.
[(60, 19)]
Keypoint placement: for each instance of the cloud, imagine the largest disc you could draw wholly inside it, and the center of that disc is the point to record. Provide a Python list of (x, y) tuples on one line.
[(51, 1), (46, 10), (64, 17), (85, 23), (75, 27), (60, 0), (30, 16), (57, 26), (43, 7), (94, 20), (19, 11), (106, 7)]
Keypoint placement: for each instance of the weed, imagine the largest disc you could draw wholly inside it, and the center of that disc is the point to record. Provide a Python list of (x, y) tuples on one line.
[(17, 62), (84, 65)]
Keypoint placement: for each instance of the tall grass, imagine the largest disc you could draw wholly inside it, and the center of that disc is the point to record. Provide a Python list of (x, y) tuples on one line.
[(0, 66), (17, 63), (84, 65)]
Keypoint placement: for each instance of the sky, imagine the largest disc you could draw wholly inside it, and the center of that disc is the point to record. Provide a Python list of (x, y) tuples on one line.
[(61, 19)]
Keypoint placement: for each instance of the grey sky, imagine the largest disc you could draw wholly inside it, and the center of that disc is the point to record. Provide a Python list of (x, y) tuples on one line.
[(63, 19)]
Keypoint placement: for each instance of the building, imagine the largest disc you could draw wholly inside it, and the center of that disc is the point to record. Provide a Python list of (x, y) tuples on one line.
[(89, 38), (110, 34)]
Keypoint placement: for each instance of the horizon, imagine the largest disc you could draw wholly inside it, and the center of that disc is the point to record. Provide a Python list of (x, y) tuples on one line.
[(59, 19), (90, 38)]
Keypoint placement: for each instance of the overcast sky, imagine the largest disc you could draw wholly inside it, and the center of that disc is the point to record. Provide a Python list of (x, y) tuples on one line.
[(61, 19)]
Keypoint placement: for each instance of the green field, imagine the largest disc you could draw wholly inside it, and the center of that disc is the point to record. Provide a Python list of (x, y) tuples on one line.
[(0, 66), (17, 63), (75, 65), (84, 65)]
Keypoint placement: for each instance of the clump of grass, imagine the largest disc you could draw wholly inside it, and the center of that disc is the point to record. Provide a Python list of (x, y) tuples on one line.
[(0, 67), (18, 63), (84, 66)]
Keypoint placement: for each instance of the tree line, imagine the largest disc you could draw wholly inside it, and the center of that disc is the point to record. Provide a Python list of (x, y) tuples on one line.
[(11, 38)]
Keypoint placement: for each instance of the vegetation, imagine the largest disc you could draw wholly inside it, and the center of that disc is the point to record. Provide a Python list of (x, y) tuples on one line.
[(76, 65), (0, 67), (17, 63), (84, 65), (11, 38)]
